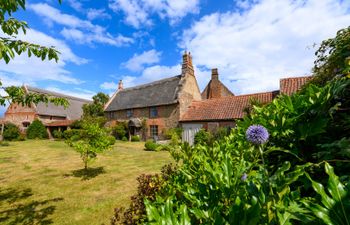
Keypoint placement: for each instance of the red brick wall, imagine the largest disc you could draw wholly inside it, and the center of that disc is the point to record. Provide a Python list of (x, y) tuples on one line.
[(16, 114)]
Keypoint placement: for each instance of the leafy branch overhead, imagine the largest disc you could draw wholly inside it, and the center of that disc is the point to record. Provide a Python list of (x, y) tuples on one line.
[(11, 27), (10, 46)]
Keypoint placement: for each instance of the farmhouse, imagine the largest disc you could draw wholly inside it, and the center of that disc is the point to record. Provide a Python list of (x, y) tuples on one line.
[(153, 108), (52, 116)]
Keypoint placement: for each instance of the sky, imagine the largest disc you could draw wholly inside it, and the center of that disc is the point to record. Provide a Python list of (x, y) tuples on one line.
[(253, 43)]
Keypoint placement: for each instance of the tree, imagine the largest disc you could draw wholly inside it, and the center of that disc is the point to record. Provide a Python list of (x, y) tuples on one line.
[(96, 108), (10, 46), (92, 140), (332, 57)]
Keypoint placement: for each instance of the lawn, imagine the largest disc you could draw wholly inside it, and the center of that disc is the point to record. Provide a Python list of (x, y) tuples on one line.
[(42, 182)]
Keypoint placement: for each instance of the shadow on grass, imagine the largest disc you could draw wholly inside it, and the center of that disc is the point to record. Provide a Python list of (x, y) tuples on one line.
[(17, 211), (87, 174)]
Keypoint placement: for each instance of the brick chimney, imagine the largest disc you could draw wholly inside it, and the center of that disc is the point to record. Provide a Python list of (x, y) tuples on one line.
[(120, 85), (187, 66), (214, 74), (215, 85)]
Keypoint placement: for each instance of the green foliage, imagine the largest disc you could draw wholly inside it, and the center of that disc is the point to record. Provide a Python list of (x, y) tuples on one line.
[(89, 141), (96, 108), (168, 134), (333, 207), (11, 132), (71, 134), (333, 58), (57, 134), (150, 145), (120, 131), (124, 139), (203, 137), (135, 138), (11, 27), (37, 130), (4, 143)]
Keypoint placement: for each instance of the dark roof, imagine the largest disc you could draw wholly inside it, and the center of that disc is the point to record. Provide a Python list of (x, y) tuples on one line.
[(225, 108), (224, 91), (161, 92), (291, 85), (73, 112)]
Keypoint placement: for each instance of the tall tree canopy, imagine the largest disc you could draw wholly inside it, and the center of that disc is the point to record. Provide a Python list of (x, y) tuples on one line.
[(96, 108), (333, 57), (11, 46)]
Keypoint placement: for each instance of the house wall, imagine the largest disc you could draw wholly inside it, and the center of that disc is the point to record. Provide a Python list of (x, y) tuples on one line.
[(168, 117), (189, 92), (17, 114)]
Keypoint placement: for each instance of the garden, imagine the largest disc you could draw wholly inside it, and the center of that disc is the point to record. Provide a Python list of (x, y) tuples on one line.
[(286, 162)]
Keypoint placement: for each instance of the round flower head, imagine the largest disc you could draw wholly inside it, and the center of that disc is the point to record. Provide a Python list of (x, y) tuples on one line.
[(244, 177), (257, 134)]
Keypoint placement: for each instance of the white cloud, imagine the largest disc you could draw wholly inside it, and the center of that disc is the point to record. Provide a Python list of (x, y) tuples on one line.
[(76, 27), (269, 40), (75, 4), (97, 14), (80, 93), (137, 12), (27, 70), (109, 86), (138, 61)]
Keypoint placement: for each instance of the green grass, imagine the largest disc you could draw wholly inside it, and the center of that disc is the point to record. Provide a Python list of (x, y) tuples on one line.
[(42, 182)]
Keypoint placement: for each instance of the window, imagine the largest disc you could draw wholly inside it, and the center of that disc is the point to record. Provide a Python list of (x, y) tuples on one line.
[(129, 113), (153, 112), (154, 131)]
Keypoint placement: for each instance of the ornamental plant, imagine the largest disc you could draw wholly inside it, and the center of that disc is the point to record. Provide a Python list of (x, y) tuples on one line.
[(37, 130), (89, 141)]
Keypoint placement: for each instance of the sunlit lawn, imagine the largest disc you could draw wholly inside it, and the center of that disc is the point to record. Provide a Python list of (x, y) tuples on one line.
[(41, 182)]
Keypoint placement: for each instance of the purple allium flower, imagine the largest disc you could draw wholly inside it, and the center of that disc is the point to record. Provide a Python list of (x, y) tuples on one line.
[(257, 134), (244, 177)]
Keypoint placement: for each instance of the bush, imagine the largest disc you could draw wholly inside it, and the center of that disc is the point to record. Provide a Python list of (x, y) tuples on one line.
[(124, 139), (36, 130), (168, 134), (150, 145), (135, 138), (203, 137), (221, 133), (11, 132), (68, 134), (119, 131), (22, 137), (148, 186), (57, 134), (4, 143), (111, 140)]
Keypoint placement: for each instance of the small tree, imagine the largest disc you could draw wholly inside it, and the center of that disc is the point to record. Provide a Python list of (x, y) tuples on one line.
[(11, 132), (92, 140), (37, 130), (96, 108)]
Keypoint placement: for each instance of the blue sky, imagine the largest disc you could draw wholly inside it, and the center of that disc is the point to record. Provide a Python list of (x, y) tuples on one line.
[(253, 43)]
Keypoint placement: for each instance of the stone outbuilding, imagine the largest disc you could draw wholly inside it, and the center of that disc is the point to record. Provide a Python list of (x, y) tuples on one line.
[(52, 116)]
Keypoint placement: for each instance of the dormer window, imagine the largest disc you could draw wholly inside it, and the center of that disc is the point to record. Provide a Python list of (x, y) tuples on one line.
[(129, 113), (153, 112)]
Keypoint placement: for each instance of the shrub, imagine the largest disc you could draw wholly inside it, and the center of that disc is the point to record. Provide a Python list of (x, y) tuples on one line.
[(111, 140), (135, 138), (36, 130), (69, 134), (4, 143), (124, 139), (148, 186), (221, 133), (11, 132), (57, 134), (119, 131), (168, 134), (150, 145), (22, 137), (203, 137)]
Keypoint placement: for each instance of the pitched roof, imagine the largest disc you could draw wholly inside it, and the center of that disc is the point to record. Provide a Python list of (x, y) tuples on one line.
[(73, 112), (208, 90), (291, 85), (225, 108), (161, 92)]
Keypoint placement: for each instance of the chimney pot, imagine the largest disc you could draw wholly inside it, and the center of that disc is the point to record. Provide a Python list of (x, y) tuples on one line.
[(214, 74), (187, 66), (120, 85)]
